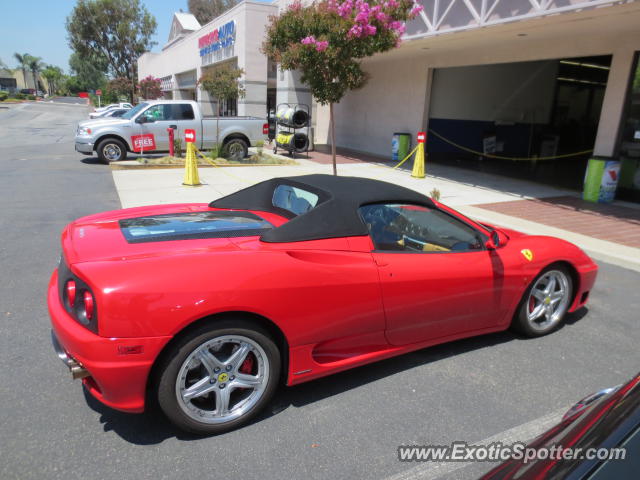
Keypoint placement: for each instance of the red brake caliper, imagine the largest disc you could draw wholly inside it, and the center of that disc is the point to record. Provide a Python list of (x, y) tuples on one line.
[(247, 365), (532, 304)]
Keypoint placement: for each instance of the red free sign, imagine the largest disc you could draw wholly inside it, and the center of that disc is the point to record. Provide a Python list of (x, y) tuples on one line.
[(422, 137), (143, 142), (98, 92), (190, 135)]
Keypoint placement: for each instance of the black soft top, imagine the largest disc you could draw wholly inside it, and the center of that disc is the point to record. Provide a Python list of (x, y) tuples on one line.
[(336, 212)]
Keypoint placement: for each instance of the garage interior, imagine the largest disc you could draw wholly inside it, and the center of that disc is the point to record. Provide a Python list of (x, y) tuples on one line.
[(529, 110)]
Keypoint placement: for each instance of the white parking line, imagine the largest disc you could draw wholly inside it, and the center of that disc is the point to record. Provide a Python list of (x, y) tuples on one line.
[(521, 433)]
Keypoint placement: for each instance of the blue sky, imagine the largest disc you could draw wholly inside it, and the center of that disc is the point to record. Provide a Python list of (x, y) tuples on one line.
[(37, 27)]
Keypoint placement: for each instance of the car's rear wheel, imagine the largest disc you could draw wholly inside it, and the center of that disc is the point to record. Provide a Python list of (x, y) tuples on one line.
[(545, 302), (111, 150), (236, 149), (218, 377)]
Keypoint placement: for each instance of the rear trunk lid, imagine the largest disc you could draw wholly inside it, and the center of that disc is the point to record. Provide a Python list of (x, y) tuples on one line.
[(158, 230)]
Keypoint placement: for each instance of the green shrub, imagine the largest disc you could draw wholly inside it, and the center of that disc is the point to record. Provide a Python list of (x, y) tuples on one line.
[(20, 96), (31, 97), (3, 95), (217, 151), (177, 147)]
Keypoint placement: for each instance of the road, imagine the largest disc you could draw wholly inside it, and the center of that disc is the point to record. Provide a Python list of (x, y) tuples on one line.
[(345, 426)]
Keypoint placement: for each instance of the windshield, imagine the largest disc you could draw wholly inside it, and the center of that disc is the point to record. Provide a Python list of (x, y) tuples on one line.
[(135, 110)]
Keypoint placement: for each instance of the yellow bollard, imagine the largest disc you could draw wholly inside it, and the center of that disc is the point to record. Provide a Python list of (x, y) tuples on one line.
[(191, 177), (418, 162)]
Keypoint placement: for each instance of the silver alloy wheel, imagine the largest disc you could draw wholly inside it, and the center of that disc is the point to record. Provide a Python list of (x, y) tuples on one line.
[(112, 151), (236, 152), (548, 300), (213, 385)]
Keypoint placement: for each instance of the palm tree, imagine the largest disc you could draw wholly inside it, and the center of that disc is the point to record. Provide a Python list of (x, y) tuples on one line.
[(35, 65), (23, 64), (52, 75)]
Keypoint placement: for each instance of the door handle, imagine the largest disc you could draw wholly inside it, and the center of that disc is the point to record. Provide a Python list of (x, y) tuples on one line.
[(173, 126), (380, 262)]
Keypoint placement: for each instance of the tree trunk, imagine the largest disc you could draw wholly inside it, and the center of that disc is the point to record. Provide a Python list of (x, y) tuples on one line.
[(218, 128), (35, 82), (332, 126)]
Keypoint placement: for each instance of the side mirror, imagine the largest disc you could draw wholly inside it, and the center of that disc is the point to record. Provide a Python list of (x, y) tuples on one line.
[(144, 119), (494, 241)]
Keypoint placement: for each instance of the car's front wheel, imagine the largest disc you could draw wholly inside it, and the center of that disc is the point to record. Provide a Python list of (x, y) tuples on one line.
[(111, 150), (219, 376), (545, 302)]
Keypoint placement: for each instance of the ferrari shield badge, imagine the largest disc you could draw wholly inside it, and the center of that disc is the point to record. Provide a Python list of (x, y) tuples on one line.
[(526, 253)]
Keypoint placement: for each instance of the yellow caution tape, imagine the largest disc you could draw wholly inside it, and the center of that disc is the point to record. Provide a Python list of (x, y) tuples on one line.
[(224, 170), (205, 157), (407, 157), (500, 157)]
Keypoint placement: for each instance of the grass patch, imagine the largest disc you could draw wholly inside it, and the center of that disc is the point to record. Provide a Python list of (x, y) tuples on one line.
[(256, 159)]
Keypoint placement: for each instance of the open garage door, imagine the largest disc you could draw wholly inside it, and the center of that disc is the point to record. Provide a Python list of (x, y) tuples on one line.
[(535, 120)]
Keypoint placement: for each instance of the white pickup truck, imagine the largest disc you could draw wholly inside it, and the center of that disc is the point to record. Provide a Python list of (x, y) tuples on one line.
[(145, 127)]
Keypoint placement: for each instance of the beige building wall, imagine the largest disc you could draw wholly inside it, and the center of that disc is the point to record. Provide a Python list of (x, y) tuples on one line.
[(22, 83), (397, 95), (182, 61)]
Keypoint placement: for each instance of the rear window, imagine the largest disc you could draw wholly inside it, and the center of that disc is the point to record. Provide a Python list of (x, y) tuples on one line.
[(181, 111), (184, 226), (294, 200)]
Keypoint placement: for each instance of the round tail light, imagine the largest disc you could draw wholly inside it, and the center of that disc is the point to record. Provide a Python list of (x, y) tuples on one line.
[(71, 292), (89, 305)]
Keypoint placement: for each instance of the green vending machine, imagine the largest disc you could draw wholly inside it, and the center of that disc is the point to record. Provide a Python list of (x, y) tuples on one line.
[(601, 180), (400, 146)]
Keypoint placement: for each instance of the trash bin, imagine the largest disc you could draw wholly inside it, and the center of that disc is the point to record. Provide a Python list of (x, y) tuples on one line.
[(400, 146), (601, 180)]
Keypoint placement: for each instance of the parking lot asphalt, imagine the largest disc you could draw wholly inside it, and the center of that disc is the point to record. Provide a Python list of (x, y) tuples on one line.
[(345, 426)]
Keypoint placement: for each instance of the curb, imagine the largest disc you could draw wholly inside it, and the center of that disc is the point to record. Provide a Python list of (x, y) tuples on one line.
[(142, 166), (603, 250)]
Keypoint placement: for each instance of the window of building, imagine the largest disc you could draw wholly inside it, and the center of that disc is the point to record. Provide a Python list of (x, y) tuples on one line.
[(229, 107), (629, 146)]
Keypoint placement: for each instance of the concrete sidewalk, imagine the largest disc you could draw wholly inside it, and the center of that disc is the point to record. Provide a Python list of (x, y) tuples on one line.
[(475, 194)]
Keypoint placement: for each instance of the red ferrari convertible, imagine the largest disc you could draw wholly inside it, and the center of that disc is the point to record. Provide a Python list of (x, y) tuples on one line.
[(206, 308)]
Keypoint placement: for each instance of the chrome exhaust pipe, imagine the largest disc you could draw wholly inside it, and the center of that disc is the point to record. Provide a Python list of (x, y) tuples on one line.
[(78, 371)]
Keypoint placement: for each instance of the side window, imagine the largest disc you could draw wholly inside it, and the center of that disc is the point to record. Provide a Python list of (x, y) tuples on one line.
[(295, 200), (181, 111), (414, 228), (155, 113)]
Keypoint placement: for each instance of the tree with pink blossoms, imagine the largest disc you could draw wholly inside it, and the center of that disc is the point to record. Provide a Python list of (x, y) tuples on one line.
[(150, 88), (327, 40)]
